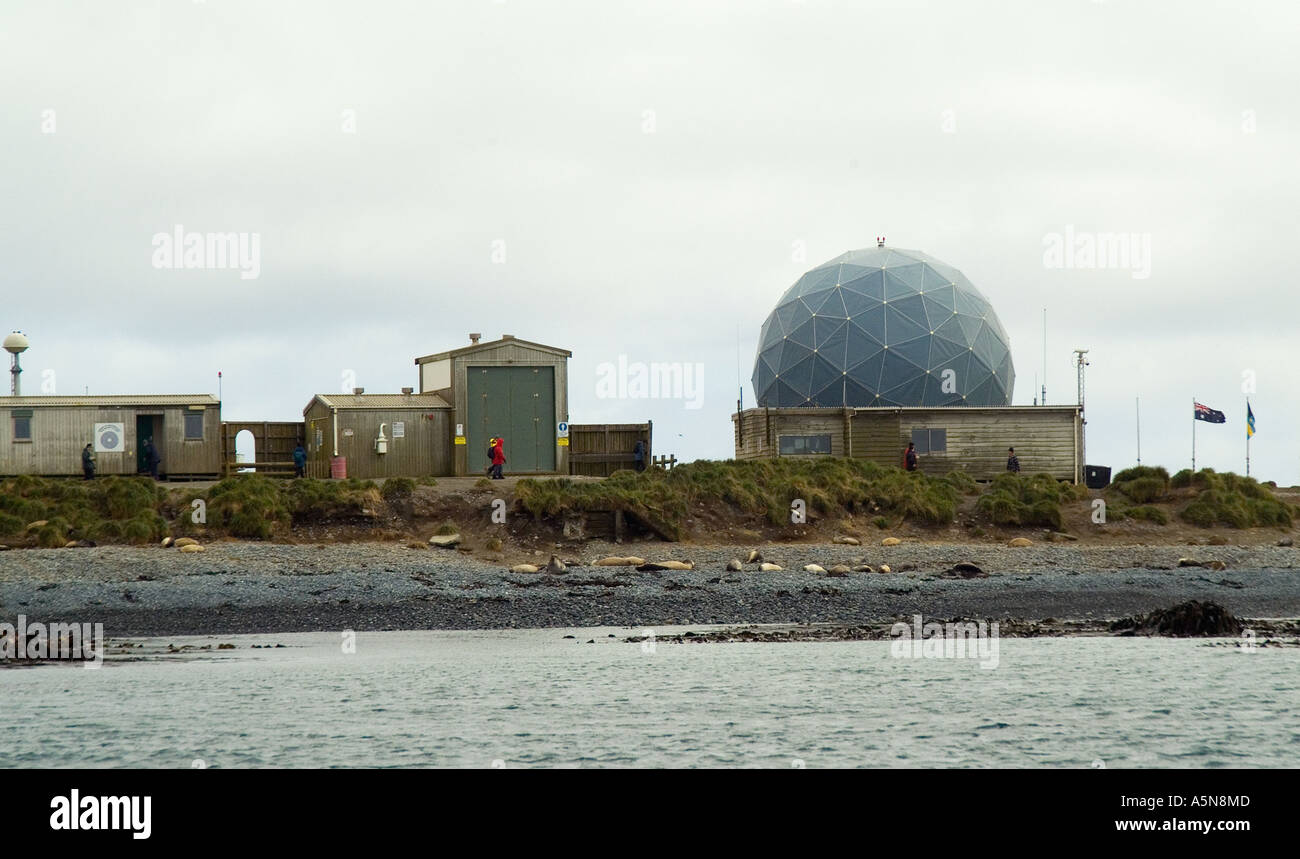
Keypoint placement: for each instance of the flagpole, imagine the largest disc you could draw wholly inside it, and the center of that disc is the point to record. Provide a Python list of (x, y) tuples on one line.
[(1193, 434), (1137, 406), (1248, 436)]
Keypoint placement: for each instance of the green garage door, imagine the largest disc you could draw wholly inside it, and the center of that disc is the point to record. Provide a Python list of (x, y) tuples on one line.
[(517, 404)]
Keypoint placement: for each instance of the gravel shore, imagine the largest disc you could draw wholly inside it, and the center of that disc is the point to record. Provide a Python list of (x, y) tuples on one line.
[(236, 587)]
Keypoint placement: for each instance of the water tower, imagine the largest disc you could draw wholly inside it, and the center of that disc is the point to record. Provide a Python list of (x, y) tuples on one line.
[(15, 345)]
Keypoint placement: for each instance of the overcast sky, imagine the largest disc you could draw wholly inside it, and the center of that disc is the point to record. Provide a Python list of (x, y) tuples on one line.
[(645, 179)]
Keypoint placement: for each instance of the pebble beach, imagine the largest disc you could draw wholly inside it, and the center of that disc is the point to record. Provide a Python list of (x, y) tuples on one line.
[(241, 587)]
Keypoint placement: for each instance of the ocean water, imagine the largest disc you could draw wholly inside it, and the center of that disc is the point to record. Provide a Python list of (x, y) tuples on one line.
[(533, 698)]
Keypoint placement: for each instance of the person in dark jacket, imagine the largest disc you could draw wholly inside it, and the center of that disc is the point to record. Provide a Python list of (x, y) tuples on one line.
[(1013, 461), (151, 456), (299, 461), (909, 457), (638, 455), (88, 461), (498, 458)]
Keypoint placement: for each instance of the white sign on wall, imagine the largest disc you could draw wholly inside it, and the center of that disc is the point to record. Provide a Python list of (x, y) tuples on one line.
[(110, 438), (399, 429), (562, 429)]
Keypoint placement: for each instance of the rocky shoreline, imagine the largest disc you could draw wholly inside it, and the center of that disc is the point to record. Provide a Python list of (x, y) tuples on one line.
[(241, 587)]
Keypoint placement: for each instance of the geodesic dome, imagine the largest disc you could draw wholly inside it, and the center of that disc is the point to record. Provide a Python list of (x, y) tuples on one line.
[(881, 327)]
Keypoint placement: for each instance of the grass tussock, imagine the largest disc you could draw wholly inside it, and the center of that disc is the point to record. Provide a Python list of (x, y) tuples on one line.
[(1142, 512), (1018, 499), (1142, 484), (397, 489), (254, 506), (1233, 500), (111, 509), (827, 485)]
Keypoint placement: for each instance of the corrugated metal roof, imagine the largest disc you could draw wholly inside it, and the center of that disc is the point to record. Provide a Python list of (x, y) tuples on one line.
[(492, 344), (383, 401), (112, 400)]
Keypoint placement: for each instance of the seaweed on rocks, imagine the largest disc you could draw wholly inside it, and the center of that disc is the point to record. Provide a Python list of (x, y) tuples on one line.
[(1192, 619)]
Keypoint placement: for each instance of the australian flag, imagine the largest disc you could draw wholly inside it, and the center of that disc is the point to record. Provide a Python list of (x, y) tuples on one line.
[(1209, 415)]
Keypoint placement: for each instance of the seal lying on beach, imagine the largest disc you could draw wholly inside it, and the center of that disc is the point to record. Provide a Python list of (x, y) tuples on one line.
[(666, 565)]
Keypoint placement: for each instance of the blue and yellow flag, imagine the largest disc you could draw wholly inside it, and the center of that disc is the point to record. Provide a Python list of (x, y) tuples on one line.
[(1250, 421)]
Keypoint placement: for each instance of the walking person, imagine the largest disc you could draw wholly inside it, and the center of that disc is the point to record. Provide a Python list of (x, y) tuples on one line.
[(299, 461), (638, 455), (88, 461), (151, 457), (909, 457), (1013, 461), (498, 458)]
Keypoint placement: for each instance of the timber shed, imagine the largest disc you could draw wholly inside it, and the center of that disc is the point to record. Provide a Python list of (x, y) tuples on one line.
[(344, 433), (45, 435), (973, 439), (508, 388)]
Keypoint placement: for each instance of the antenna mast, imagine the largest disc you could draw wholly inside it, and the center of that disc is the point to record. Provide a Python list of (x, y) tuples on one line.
[(1080, 362), (1043, 399)]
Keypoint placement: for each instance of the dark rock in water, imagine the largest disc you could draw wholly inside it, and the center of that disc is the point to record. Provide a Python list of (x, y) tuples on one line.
[(570, 636), (1191, 619)]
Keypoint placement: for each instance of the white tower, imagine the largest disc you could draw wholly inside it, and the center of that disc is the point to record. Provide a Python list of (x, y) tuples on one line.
[(15, 345)]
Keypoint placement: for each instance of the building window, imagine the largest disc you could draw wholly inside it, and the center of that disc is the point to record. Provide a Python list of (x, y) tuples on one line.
[(194, 427), (930, 440), (22, 427), (797, 445)]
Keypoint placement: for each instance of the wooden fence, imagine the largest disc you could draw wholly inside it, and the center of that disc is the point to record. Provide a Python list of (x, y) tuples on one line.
[(273, 444), (598, 450)]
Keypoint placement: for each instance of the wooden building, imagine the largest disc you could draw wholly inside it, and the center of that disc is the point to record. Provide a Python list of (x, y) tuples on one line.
[(45, 435), (507, 388), (954, 438), (344, 432)]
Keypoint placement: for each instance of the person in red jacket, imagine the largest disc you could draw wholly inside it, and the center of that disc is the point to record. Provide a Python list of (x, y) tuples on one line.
[(498, 458), (909, 457)]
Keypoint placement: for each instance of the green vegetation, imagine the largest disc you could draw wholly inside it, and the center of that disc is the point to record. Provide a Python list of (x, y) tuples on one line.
[(661, 499), (448, 528), (1142, 484), (252, 505), (247, 505), (1233, 500), (1017, 499), (1144, 512), (397, 489), (962, 482), (110, 509)]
